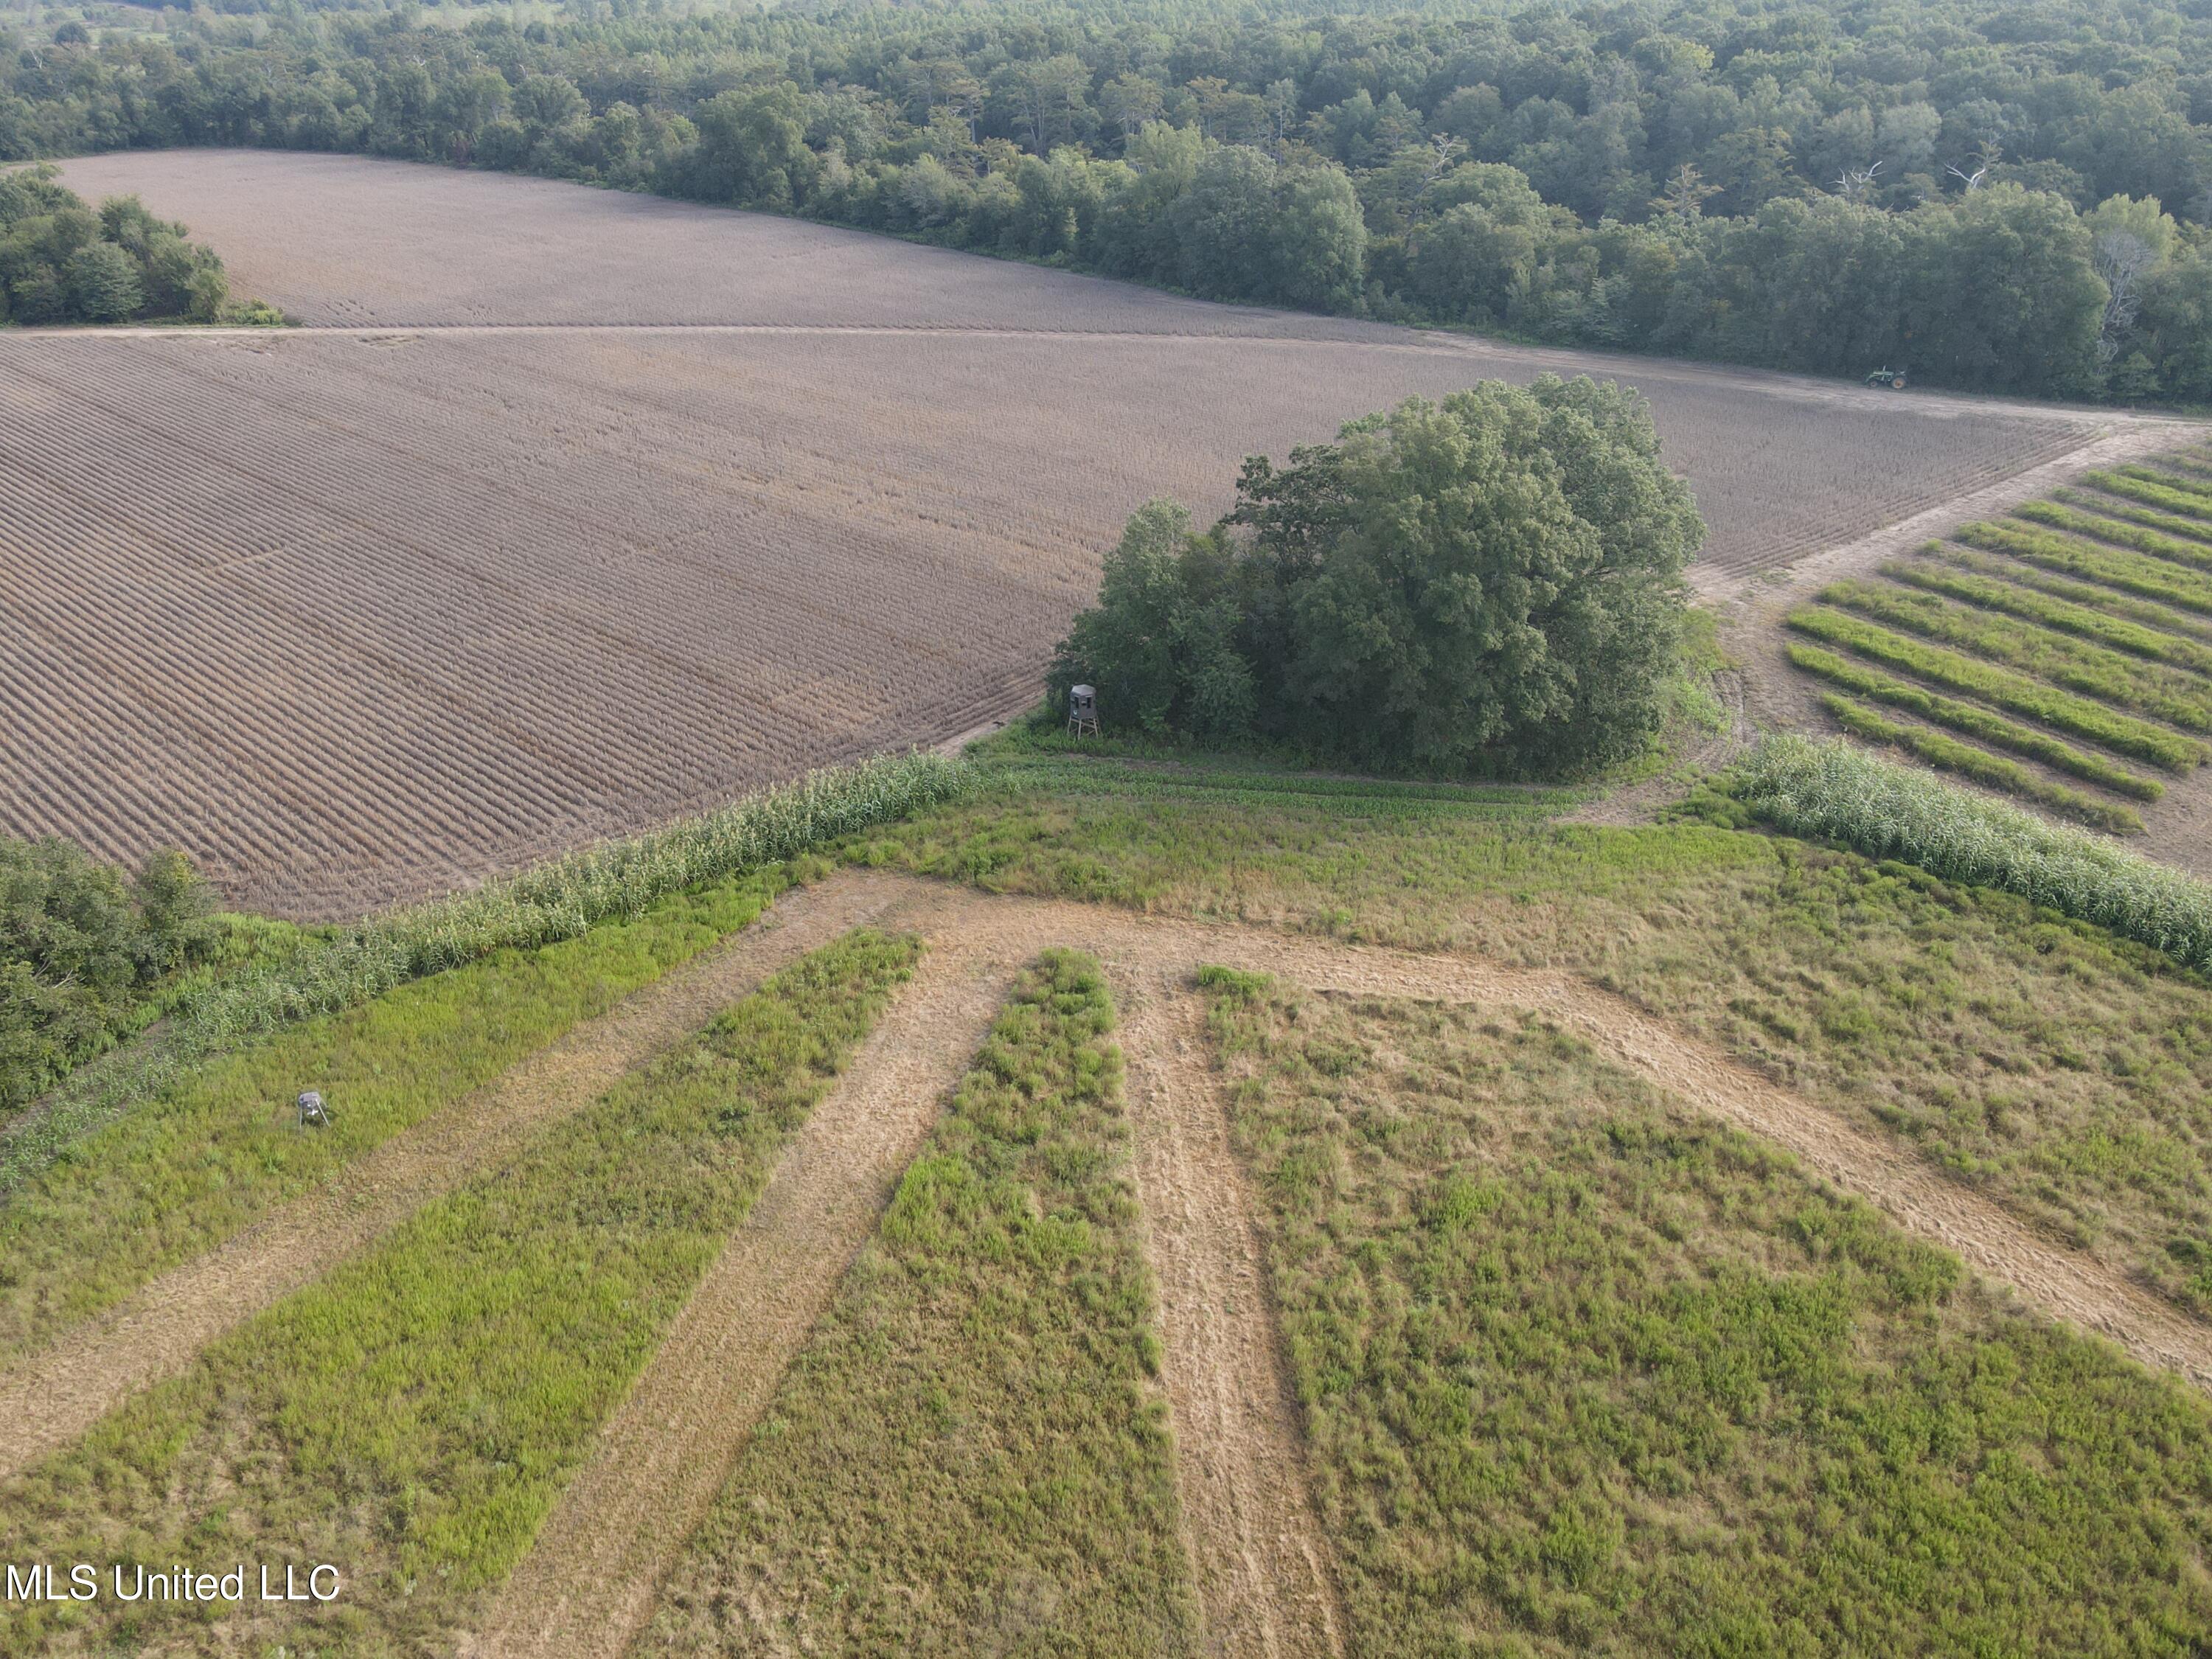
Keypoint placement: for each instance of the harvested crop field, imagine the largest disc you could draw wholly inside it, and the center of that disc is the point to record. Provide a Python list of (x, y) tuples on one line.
[(571, 511)]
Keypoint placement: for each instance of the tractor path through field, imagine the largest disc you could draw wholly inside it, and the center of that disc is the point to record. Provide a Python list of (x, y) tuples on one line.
[(588, 1586), (1261, 1562), (54, 1394)]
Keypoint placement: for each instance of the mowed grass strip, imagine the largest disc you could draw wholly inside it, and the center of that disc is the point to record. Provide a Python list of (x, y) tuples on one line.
[(1971, 718), (2131, 573), (2173, 549), (2116, 506), (2120, 733), (1586, 1374), (2172, 695), (221, 1147), (2089, 594), (1949, 755), (972, 1455), (413, 1417), (1938, 576)]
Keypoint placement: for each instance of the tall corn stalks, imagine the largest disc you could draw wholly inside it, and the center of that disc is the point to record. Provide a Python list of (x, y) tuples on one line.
[(1836, 791)]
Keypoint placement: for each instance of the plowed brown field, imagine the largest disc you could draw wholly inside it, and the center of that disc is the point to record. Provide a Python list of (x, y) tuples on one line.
[(572, 510)]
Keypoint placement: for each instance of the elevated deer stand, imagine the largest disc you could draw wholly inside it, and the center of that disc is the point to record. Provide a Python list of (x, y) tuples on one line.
[(1082, 710)]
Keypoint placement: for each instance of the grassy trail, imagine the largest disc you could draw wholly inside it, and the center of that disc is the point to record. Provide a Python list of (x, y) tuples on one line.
[(56, 1393)]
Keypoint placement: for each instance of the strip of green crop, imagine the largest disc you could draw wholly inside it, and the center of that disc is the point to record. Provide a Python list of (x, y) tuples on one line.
[(2169, 694), (219, 1150), (414, 1416), (977, 1413), (1992, 595), (1836, 791), (2112, 507), (2149, 493), (2171, 549), (2091, 595), (2120, 733), (2197, 490), (1949, 755), (1973, 720), (2153, 579)]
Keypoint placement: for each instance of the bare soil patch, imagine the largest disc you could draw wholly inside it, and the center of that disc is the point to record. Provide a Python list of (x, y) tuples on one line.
[(582, 509), (1263, 1564), (57, 1394)]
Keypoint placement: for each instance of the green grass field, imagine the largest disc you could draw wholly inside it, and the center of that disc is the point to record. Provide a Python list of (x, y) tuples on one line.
[(413, 1415), (972, 1455), (1586, 1374)]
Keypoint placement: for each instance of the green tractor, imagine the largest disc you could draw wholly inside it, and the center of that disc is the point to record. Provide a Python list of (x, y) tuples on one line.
[(1892, 378)]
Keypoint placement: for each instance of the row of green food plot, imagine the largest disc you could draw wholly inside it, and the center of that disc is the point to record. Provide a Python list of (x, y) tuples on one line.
[(2062, 655)]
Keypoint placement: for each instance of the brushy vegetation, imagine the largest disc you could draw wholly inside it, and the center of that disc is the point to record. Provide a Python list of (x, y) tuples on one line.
[(413, 1415), (1949, 755), (1834, 792), (1584, 1374), (2006, 689), (84, 949), (1972, 719), (223, 1145), (2109, 506), (2061, 1067), (2153, 579), (2170, 695), (2170, 548), (561, 899), (971, 1456), (1940, 576)]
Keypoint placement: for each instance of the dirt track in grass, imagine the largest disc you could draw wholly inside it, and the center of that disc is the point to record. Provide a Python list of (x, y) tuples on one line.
[(52, 1396), (1263, 1566), (588, 1586)]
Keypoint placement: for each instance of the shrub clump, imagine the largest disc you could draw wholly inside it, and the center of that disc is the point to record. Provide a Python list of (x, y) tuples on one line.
[(1836, 792), (1492, 585), (82, 944)]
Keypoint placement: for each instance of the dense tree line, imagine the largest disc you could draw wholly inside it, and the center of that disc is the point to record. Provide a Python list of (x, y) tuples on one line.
[(62, 263), (1997, 196), (1491, 585), (82, 946)]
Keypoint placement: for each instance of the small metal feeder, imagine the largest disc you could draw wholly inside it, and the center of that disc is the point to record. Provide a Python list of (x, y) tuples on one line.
[(313, 1113)]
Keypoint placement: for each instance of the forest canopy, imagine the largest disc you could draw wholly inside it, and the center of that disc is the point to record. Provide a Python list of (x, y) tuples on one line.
[(1996, 197), (1492, 585)]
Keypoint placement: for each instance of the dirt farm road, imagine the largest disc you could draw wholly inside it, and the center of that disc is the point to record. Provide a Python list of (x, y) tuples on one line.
[(1259, 1557)]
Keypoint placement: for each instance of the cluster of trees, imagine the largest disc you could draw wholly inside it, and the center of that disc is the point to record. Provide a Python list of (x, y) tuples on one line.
[(62, 263), (2000, 197), (1492, 585), (81, 944)]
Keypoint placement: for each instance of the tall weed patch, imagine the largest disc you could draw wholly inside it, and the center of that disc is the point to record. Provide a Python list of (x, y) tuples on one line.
[(1835, 791), (558, 900)]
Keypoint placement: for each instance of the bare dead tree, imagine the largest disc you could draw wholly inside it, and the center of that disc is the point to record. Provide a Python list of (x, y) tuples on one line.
[(1856, 184), (1972, 181), (2123, 259)]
